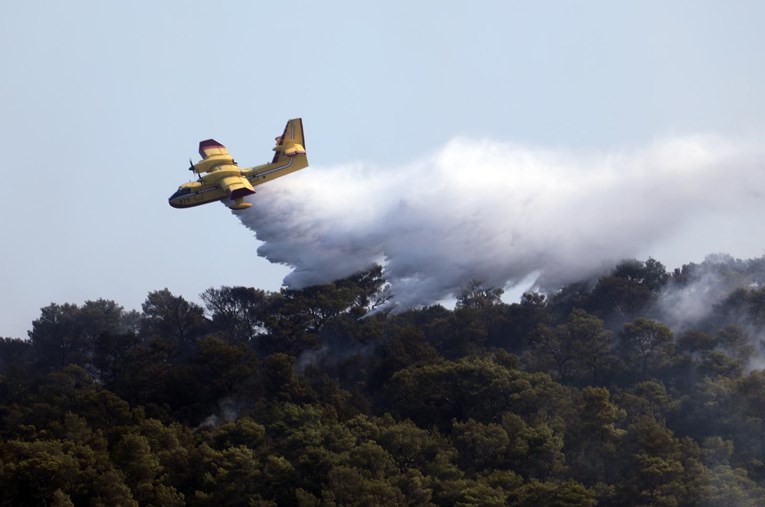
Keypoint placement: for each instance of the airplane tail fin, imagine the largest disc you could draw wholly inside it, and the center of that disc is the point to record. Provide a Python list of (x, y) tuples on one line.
[(291, 145)]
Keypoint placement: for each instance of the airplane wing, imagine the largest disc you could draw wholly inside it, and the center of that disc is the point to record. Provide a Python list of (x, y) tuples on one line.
[(291, 143), (211, 147), (213, 155), (223, 172)]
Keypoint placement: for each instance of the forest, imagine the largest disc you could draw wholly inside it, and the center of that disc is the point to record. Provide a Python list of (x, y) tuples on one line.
[(637, 387)]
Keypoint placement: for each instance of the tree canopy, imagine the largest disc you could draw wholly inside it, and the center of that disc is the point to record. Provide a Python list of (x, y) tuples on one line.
[(592, 395)]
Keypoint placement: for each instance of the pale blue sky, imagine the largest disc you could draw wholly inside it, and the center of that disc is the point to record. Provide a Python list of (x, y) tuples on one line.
[(102, 104)]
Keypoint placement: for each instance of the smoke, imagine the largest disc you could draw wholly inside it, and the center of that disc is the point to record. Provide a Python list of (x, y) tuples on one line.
[(498, 212), (709, 296), (685, 303), (228, 411), (332, 353)]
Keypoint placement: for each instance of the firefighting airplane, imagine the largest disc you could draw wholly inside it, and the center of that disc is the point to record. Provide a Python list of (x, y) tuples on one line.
[(221, 178)]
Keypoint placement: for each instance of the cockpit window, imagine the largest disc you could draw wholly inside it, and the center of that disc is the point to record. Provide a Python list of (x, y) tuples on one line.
[(181, 192)]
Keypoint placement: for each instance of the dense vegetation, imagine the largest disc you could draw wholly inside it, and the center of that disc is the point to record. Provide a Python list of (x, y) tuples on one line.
[(639, 388)]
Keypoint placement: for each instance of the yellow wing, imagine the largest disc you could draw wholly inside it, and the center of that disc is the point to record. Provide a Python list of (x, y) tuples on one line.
[(222, 171), (211, 147), (214, 155)]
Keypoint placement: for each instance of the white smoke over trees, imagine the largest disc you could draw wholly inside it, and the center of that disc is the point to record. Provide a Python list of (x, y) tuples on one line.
[(501, 213), (698, 289)]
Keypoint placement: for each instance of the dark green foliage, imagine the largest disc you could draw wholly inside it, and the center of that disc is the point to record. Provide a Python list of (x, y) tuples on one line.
[(305, 398), (239, 313)]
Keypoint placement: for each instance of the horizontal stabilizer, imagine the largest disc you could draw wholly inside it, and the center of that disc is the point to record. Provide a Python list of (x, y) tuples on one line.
[(291, 143), (294, 150)]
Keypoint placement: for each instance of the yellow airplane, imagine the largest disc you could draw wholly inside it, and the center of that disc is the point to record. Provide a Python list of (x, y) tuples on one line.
[(221, 178)]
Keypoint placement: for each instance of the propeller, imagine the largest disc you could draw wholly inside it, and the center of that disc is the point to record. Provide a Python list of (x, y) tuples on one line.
[(191, 168)]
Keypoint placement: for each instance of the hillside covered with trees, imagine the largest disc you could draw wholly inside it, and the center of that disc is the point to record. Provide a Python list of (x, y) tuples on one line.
[(641, 387)]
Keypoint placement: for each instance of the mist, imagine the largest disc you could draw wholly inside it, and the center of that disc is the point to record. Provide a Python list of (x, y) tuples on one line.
[(502, 213)]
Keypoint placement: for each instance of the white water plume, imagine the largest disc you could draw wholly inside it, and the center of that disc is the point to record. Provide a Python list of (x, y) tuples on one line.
[(497, 212)]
